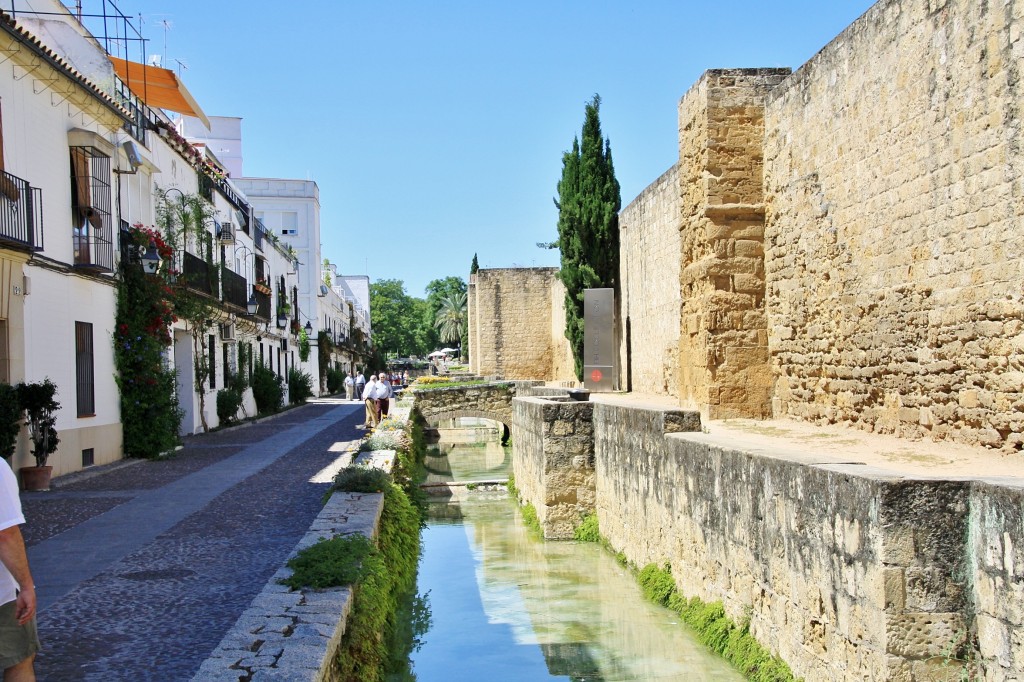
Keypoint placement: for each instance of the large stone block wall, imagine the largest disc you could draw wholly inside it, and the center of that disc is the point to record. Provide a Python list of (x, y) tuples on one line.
[(996, 568), (723, 349), (510, 320), (844, 571), (895, 190), (649, 302), (553, 461)]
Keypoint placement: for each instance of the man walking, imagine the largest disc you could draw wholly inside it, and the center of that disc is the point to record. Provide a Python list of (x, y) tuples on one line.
[(350, 386), (384, 394), (369, 397), (19, 640), (360, 385)]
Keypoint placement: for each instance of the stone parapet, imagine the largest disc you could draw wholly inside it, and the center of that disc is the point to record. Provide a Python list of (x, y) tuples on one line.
[(295, 635), (844, 570), (553, 461)]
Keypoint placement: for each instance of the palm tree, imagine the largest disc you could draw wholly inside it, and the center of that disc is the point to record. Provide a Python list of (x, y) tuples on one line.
[(451, 317)]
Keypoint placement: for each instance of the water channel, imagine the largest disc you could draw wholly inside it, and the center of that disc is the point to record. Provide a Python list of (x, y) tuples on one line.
[(506, 606)]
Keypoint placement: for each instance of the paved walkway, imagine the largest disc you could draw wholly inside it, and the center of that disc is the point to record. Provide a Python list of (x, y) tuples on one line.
[(142, 568)]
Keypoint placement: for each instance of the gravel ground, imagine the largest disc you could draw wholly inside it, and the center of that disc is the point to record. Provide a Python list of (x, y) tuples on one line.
[(158, 612)]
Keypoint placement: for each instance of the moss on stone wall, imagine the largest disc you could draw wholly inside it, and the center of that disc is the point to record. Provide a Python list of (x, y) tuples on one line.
[(733, 641)]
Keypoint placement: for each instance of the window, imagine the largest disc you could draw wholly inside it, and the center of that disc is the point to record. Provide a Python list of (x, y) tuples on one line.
[(90, 208), (225, 361), (84, 374), (213, 361), (289, 222)]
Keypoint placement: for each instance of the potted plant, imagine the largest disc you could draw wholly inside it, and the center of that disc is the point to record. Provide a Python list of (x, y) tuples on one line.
[(40, 406)]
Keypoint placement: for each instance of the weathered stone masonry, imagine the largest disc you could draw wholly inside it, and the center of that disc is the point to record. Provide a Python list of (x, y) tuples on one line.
[(846, 571), (894, 185)]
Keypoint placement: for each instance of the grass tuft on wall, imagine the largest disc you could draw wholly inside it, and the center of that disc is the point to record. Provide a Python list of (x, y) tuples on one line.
[(733, 641)]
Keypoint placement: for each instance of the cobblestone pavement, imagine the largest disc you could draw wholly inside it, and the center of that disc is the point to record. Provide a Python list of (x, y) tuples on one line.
[(143, 568)]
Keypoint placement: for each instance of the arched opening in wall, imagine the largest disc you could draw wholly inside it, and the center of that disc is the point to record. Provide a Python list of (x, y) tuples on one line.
[(469, 449)]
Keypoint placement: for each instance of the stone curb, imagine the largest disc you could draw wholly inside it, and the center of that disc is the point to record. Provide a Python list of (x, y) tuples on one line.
[(294, 636)]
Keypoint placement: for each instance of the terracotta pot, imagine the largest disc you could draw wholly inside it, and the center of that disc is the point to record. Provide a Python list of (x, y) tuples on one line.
[(35, 478)]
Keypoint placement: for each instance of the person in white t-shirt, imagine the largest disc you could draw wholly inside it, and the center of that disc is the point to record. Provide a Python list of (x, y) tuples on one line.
[(19, 640), (369, 397)]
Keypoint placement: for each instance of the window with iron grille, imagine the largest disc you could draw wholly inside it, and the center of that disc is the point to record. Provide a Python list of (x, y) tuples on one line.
[(84, 370), (91, 229)]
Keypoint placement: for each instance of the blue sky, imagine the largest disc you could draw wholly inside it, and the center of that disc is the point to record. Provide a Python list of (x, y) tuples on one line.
[(435, 130)]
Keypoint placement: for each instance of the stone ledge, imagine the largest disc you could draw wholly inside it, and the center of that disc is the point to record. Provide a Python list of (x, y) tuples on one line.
[(294, 635)]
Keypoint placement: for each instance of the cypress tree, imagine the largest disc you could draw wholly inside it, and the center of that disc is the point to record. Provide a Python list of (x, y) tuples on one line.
[(474, 266), (588, 224)]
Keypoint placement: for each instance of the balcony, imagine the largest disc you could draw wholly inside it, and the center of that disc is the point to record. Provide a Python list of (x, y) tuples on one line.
[(263, 312), (235, 289), (258, 233), (21, 213), (198, 274)]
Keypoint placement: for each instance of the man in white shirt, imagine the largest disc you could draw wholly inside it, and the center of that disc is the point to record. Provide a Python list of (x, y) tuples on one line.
[(383, 395), (19, 640), (370, 401), (350, 386)]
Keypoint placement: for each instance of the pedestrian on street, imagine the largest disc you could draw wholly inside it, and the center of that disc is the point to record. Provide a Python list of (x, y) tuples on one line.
[(360, 385), (384, 393), (350, 386), (369, 396), (19, 640)]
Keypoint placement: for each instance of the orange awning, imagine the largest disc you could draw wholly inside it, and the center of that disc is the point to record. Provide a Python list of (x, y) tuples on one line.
[(158, 88)]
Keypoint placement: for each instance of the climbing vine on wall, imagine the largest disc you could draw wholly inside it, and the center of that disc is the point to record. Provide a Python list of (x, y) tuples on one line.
[(150, 415)]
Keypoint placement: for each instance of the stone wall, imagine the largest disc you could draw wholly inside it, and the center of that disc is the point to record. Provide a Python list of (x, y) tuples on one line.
[(845, 571), (723, 350), (996, 568), (894, 184), (553, 461), (510, 321), (649, 302)]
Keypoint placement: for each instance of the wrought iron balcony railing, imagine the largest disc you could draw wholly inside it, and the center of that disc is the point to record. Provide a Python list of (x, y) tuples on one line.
[(21, 213), (263, 311), (235, 289), (198, 274)]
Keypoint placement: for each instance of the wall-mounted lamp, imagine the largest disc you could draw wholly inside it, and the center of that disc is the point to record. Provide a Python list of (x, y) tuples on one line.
[(151, 259)]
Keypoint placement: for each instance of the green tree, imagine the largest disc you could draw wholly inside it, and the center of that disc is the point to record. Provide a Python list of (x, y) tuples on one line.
[(474, 266), (395, 317), (451, 318), (588, 224)]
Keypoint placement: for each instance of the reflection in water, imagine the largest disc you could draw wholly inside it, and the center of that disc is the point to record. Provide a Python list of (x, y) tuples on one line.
[(470, 450), (506, 606)]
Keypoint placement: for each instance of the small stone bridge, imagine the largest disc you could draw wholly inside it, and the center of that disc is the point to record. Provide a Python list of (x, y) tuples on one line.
[(492, 400)]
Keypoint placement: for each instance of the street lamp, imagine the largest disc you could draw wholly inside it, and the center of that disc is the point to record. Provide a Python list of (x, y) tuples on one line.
[(151, 259)]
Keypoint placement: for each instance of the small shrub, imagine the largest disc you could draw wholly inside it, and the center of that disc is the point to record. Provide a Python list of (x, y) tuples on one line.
[(588, 530), (531, 519), (359, 479), (335, 381), (330, 563), (267, 390), (228, 402), (10, 419), (300, 386), (39, 402)]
